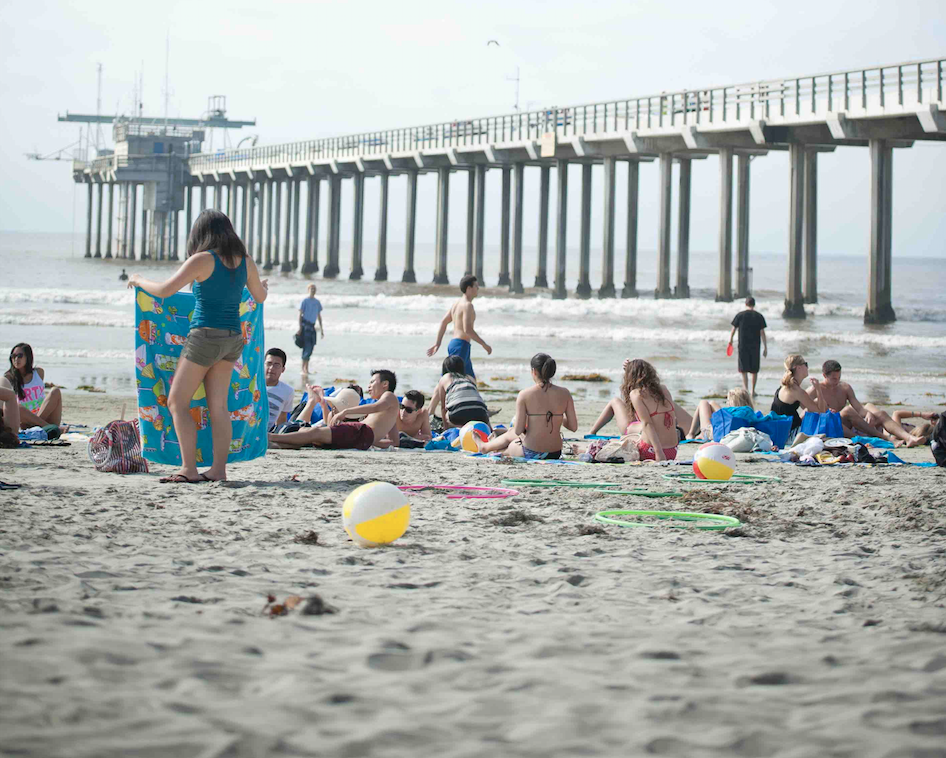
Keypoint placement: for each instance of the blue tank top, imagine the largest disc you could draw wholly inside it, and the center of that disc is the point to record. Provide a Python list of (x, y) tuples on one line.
[(219, 296)]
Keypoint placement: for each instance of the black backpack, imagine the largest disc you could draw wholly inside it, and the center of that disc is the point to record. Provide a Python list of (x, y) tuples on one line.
[(938, 442)]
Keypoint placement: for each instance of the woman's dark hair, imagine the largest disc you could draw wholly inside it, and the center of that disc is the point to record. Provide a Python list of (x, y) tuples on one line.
[(544, 366), (15, 377), (358, 389), (453, 364), (386, 376), (416, 397), (213, 231)]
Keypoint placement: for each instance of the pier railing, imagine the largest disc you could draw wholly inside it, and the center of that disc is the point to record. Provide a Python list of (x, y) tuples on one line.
[(796, 98)]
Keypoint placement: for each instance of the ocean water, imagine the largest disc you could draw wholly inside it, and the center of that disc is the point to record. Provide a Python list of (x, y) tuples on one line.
[(79, 320)]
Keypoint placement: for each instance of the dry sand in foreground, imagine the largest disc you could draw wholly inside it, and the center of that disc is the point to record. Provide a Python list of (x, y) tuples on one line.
[(131, 617)]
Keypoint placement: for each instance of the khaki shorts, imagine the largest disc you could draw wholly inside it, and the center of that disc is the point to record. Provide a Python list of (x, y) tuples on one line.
[(205, 346)]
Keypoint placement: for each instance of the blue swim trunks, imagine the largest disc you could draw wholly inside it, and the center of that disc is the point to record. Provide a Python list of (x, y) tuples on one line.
[(462, 348)]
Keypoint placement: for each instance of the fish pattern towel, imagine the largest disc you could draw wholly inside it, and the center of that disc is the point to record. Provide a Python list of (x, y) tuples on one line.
[(162, 327)]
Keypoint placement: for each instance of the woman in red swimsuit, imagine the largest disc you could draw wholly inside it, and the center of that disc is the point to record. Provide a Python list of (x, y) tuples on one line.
[(650, 408)]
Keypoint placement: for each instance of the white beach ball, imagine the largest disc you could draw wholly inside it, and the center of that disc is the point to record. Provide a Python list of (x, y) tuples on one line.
[(375, 514)]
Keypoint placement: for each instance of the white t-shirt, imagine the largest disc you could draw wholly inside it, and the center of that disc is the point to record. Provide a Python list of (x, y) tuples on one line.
[(280, 400)]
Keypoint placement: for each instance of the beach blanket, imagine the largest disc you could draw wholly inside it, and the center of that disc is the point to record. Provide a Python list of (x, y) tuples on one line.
[(161, 330)]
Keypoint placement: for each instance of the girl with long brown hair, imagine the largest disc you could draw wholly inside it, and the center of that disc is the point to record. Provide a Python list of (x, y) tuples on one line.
[(653, 421)]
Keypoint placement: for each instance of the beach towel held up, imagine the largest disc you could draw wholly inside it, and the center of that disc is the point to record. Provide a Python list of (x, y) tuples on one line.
[(162, 327)]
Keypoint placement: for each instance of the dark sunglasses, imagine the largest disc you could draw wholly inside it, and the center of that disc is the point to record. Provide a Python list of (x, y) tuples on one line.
[(405, 408), (17, 356)]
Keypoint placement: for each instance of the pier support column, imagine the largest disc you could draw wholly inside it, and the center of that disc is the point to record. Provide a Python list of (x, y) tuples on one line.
[(245, 189), (189, 210), (145, 236), (410, 228), (561, 224), (261, 221), (630, 263), (159, 224), (480, 222), (296, 193), (516, 285), (607, 246), (268, 264), (203, 197), (724, 283), (249, 211), (311, 263), (663, 240), (232, 204), (98, 222), (504, 229), (541, 273), (277, 226), (286, 265), (470, 220), (742, 225), (811, 227), (381, 271), (793, 295), (132, 211), (358, 225), (88, 224), (443, 206), (111, 214), (879, 308), (584, 260), (682, 290), (122, 251), (331, 269)]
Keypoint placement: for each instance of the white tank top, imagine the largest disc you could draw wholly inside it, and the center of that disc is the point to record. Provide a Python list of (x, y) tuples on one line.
[(34, 392)]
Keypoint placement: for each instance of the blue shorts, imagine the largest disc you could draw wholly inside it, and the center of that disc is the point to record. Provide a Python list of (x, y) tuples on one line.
[(308, 340), (462, 348), (535, 455)]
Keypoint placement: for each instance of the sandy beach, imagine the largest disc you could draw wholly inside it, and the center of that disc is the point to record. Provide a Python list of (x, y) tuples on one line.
[(132, 612)]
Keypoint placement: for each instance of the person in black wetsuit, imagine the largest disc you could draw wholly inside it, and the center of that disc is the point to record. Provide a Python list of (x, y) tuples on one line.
[(751, 326), (789, 396), (123, 277)]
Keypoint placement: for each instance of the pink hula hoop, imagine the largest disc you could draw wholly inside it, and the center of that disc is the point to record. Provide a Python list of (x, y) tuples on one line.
[(504, 492)]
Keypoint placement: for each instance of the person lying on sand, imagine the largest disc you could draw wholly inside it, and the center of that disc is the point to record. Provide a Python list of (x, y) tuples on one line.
[(379, 427), (413, 421), (857, 419), (702, 418), (541, 412)]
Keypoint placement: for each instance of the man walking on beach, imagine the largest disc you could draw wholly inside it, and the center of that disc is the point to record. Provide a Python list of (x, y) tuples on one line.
[(751, 326), (867, 420), (310, 311), (462, 315)]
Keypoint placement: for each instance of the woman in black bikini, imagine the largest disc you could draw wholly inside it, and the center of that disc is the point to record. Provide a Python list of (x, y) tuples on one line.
[(789, 396), (541, 412)]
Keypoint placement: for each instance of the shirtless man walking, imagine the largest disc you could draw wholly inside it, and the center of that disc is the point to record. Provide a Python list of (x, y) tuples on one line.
[(462, 315), (379, 427), (867, 420)]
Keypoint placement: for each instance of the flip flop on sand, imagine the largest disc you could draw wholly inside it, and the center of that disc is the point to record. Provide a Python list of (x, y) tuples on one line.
[(180, 479), (8, 486)]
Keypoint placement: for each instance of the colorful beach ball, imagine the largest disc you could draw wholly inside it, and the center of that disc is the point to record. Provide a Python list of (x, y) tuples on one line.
[(470, 432), (375, 514), (714, 461)]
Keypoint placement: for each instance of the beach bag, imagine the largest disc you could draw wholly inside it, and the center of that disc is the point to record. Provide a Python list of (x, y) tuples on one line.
[(828, 424), (116, 448), (297, 338), (747, 439), (938, 441), (623, 450), (727, 420)]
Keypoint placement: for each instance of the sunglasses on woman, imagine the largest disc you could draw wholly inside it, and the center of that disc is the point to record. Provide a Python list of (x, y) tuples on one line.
[(406, 409)]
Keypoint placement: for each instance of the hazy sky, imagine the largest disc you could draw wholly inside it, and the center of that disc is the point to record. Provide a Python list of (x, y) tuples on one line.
[(314, 69)]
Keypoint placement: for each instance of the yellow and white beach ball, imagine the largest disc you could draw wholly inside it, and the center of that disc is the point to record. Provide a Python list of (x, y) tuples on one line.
[(375, 514), (714, 461), (469, 433)]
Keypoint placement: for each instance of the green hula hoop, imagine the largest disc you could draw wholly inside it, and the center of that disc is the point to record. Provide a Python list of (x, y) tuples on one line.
[(736, 479), (640, 493), (715, 522), (556, 483)]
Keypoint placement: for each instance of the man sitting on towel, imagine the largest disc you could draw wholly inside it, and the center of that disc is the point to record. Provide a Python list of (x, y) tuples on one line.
[(379, 427)]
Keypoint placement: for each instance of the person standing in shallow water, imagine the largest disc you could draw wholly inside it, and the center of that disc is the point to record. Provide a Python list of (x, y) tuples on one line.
[(310, 312), (751, 325), (218, 268), (463, 316)]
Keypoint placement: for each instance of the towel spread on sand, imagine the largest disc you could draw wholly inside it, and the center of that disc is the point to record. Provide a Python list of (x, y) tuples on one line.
[(162, 327)]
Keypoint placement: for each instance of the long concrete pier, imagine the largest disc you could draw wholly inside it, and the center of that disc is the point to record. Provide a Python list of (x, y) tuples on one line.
[(880, 108)]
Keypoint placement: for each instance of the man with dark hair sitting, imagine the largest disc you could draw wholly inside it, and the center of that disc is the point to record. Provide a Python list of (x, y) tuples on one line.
[(413, 421), (867, 420), (279, 393), (463, 316), (379, 427)]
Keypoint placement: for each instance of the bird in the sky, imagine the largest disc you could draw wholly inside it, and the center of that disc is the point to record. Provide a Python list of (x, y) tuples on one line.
[(492, 42)]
